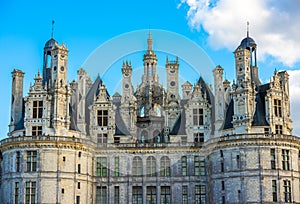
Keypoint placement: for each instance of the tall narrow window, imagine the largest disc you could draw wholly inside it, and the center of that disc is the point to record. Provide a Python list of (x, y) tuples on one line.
[(278, 129), (273, 158), (165, 195), (285, 159), (151, 195), (37, 109), (274, 190), (202, 167), (101, 195), (18, 161), (77, 199), (223, 185), (198, 117), (287, 191), (199, 137), (17, 187), (277, 108), (36, 130), (78, 185), (31, 160), (102, 117), (30, 192), (102, 166), (238, 161), (137, 169), (196, 165), (184, 195), (184, 166), (222, 166), (117, 167), (137, 195), (151, 166), (165, 166), (79, 168), (117, 195)]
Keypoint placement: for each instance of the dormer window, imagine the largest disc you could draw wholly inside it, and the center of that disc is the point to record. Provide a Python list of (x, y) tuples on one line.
[(102, 116), (198, 116), (37, 109), (277, 108)]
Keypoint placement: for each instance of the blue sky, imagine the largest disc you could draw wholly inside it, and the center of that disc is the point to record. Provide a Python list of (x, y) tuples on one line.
[(216, 26)]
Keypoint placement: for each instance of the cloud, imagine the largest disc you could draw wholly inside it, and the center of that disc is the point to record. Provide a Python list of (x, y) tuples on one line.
[(295, 99), (273, 24)]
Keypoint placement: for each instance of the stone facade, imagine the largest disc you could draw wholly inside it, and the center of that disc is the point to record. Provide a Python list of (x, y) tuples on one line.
[(76, 143)]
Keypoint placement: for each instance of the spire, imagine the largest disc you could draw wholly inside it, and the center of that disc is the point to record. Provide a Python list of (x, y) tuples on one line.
[(52, 33), (247, 29), (149, 41)]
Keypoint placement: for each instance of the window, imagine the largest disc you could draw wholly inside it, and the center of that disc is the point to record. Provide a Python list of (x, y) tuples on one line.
[(78, 185), (102, 138), (277, 108), (198, 117), (199, 137), (222, 166), (137, 195), (285, 159), (165, 166), (202, 167), (274, 190), (117, 195), (151, 195), (151, 166), (223, 185), (31, 160), (200, 194), (79, 168), (117, 166), (137, 169), (278, 129), (30, 192), (102, 116), (287, 191), (223, 200), (16, 200), (101, 166), (184, 166), (221, 154), (18, 161), (64, 159), (62, 190), (238, 161), (77, 199), (273, 158), (101, 195), (36, 130), (37, 109), (184, 195), (165, 195), (79, 154), (196, 165)]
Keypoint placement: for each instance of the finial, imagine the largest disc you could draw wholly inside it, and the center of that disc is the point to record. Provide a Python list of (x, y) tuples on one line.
[(52, 34), (149, 41), (247, 29)]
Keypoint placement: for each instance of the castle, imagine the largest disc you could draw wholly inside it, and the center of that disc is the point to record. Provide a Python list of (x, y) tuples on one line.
[(76, 143)]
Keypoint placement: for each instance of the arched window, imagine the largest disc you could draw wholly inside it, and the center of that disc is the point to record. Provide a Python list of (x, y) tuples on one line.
[(165, 166), (151, 166), (144, 136), (143, 112), (137, 166)]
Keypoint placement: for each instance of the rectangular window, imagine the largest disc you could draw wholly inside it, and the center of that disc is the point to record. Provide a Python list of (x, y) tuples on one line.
[(221, 154), (18, 161), (16, 200), (238, 161), (102, 138), (184, 166), (198, 117), (200, 194), (165, 195), (117, 195), (196, 165), (223, 200), (102, 117), (199, 137), (223, 185), (277, 108), (165, 169), (151, 194), (37, 109), (285, 159), (78, 185), (30, 192), (278, 129), (101, 166), (287, 191), (137, 195), (274, 190), (31, 160), (184, 195), (101, 195), (79, 168), (36, 130), (117, 163), (202, 167), (77, 199), (273, 158), (222, 166)]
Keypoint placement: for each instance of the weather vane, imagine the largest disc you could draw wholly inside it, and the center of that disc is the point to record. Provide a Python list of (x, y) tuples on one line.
[(247, 28), (52, 28)]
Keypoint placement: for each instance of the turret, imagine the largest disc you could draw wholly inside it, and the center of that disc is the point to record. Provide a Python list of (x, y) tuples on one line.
[(172, 68)]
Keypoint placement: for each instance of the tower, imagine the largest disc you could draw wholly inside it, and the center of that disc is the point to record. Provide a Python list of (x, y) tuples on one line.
[(127, 88), (16, 99), (219, 98), (172, 68)]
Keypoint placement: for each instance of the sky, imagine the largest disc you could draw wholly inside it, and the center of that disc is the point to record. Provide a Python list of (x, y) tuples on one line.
[(215, 26)]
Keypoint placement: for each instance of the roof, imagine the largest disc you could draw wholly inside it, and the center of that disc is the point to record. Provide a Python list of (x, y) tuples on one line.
[(259, 118), (121, 128), (228, 116), (51, 43), (179, 126), (248, 43)]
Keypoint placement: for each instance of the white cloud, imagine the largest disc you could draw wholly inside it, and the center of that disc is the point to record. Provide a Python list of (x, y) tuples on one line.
[(295, 99), (274, 25)]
